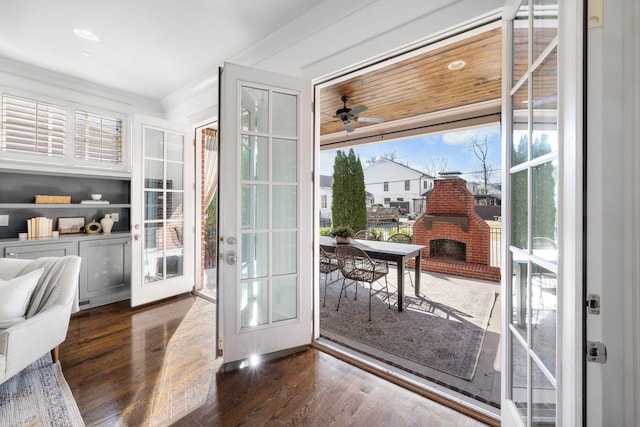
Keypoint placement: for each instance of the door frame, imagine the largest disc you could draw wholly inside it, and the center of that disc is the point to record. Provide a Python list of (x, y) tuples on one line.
[(447, 397), (198, 192)]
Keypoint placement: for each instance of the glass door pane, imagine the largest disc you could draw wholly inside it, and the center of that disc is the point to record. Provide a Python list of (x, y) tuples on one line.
[(163, 205), (268, 207)]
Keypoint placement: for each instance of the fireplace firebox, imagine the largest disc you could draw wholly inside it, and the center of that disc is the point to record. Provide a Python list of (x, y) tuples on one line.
[(448, 249)]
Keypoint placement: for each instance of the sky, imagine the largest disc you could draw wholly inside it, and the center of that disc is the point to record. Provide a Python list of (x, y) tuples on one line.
[(418, 152)]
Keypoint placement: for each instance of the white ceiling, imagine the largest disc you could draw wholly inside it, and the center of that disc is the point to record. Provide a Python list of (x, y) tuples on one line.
[(149, 48)]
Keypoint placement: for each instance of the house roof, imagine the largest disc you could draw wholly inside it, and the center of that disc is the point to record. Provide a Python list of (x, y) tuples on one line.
[(385, 160)]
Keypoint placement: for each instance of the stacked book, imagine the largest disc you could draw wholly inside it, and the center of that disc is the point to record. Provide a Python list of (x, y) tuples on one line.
[(39, 226), (94, 202)]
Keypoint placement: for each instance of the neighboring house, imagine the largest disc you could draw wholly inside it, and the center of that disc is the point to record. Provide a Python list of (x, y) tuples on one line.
[(325, 198), (489, 197), (393, 184)]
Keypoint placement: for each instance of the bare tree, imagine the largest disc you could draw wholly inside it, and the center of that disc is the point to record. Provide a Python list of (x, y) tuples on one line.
[(480, 148), (435, 165), (370, 160), (391, 155)]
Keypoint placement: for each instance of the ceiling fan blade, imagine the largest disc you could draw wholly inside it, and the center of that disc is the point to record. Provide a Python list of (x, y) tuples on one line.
[(357, 110), (348, 126), (369, 119)]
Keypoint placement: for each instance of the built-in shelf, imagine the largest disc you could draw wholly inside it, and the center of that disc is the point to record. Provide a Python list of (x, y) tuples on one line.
[(62, 206)]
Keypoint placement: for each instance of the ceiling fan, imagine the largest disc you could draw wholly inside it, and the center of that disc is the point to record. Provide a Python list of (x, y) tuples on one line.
[(346, 115)]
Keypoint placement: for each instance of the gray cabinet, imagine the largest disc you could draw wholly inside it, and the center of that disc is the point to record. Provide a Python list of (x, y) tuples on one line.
[(105, 272)]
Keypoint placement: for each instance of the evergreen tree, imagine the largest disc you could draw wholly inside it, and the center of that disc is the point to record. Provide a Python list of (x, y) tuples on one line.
[(348, 206)]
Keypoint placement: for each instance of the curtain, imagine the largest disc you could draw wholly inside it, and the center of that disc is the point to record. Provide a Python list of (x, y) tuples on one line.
[(210, 165)]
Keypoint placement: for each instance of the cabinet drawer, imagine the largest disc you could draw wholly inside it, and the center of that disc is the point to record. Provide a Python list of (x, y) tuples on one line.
[(40, 249)]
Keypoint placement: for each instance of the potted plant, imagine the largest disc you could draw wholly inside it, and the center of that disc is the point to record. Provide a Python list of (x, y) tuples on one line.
[(342, 233)]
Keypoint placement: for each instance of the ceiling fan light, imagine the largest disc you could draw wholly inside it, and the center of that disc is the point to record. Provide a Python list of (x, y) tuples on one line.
[(456, 65)]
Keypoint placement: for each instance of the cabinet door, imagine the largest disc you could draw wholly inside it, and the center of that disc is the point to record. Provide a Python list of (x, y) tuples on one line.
[(38, 250), (105, 275)]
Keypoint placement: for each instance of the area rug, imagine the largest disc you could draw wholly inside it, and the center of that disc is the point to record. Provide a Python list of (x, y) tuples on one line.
[(39, 396), (442, 330)]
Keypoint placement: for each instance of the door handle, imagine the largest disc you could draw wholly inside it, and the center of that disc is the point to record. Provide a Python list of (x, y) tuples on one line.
[(231, 258), (136, 237)]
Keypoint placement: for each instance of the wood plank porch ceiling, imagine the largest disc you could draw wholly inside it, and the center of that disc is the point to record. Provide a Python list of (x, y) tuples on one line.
[(422, 84)]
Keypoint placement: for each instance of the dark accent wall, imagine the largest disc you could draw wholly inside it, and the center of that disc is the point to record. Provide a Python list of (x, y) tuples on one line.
[(16, 187)]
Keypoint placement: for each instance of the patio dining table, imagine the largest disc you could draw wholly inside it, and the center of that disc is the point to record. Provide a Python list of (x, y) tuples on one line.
[(399, 253)]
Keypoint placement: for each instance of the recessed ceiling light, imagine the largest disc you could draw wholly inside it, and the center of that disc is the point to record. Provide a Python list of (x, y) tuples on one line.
[(456, 65), (86, 34)]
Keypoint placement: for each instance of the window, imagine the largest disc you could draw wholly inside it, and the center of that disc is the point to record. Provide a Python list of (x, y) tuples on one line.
[(323, 201), (387, 200), (98, 138), (407, 184), (425, 184), (32, 127), (386, 186), (400, 199), (60, 133)]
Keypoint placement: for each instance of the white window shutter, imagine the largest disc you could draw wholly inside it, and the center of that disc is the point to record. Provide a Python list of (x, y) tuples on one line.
[(98, 138), (32, 127)]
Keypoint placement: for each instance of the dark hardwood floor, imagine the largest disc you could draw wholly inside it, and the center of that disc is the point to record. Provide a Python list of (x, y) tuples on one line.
[(155, 366)]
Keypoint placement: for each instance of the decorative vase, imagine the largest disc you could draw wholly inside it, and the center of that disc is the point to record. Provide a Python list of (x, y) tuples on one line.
[(107, 223), (93, 227), (343, 240)]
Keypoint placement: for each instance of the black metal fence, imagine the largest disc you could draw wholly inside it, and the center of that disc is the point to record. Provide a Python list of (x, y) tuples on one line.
[(385, 229)]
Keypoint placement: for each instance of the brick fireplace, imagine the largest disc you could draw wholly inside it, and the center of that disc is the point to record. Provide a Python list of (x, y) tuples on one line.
[(456, 239)]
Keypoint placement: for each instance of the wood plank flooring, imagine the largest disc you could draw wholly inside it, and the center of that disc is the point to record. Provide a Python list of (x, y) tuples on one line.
[(155, 366)]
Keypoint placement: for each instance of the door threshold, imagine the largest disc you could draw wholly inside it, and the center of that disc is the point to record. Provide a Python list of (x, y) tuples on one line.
[(449, 398), (203, 295)]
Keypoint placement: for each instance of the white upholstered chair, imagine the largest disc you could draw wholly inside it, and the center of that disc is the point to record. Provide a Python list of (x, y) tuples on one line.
[(46, 305)]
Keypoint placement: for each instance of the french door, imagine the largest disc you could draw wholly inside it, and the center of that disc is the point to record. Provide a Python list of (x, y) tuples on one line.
[(265, 240), (542, 317), (162, 210)]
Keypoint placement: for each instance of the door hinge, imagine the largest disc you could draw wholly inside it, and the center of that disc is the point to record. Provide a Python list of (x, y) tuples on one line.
[(596, 352), (220, 346), (593, 304)]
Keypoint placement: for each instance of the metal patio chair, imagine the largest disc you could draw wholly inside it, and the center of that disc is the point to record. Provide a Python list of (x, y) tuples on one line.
[(328, 264), (357, 266), (402, 238), (365, 235)]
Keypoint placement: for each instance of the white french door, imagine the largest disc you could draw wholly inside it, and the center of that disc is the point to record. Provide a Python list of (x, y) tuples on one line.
[(542, 315), (265, 280), (162, 210)]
